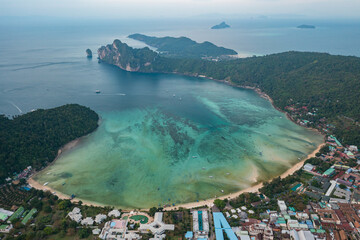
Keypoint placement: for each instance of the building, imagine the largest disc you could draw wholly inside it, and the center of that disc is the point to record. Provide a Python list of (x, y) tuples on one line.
[(99, 218), (114, 213), (116, 230), (157, 227), (221, 225), (87, 221), (201, 223), (282, 205), (75, 215), (329, 173), (342, 193), (5, 228), (309, 167), (328, 216)]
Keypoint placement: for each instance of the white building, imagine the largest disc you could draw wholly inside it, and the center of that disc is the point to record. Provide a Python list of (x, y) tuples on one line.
[(114, 213), (87, 221), (157, 227), (75, 215), (282, 205), (309, 167), (99, 218)]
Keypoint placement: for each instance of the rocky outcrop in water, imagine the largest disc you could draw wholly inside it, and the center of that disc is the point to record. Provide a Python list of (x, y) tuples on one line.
[(88, 53)]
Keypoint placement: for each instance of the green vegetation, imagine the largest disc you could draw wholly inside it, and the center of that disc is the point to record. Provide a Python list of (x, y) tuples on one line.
[(182, 220), (183, 47), (321, 166), (33, 139), (315, 82), (278, 185), (244, 199), (220, 203)]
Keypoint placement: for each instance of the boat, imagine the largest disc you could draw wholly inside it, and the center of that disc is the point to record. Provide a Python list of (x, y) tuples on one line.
[(97, 91), (222, 190), (203, 168), (179, 99), (227, 173), (174, 95), (210, 176), (46, 183), (194, 156)]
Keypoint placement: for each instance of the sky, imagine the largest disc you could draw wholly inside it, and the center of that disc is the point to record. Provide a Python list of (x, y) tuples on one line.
[(181, 8)]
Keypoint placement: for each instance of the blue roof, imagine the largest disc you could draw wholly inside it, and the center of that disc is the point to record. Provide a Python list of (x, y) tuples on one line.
[(189, 235), (220, 225)]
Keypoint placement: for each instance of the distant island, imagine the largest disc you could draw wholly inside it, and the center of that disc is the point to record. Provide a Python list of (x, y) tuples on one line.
[(183, 47), (314, 82), (221, 26), (306, 26), (88, 53)]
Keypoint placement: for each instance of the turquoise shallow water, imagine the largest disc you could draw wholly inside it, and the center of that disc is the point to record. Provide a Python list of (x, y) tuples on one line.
[(207, 138)]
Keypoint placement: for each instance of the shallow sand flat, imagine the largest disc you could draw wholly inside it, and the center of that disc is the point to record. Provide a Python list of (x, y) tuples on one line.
[(217, 138)]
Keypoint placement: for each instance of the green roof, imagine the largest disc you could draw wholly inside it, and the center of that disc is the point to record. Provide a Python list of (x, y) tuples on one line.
[(16, 214), (28, 216), (3, 227), (329, 171), (320, 231), (3, 216)]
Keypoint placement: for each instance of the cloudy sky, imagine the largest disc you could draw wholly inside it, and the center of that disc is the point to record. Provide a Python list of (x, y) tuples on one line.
[(180, 8)]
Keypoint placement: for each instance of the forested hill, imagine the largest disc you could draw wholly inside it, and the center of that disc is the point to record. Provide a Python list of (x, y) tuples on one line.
[(33, 139), (183, 47), (326, 85)]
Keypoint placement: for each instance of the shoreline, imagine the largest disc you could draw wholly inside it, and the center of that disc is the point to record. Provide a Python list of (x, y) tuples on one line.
[(207, 202), (255, 188)]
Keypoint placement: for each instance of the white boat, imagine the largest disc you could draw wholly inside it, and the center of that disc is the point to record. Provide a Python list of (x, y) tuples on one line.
[(194, 156), (46, 183), (97, 91), (222, 190), (174, 95), (210, 176)]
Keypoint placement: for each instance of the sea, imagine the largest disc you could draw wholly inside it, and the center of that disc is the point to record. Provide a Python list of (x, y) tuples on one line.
[(162, 139)]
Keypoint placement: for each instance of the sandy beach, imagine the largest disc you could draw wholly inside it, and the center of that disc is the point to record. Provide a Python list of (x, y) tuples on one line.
[(255, 188)]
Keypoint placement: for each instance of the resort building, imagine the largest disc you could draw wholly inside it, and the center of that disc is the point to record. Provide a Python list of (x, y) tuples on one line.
[(99, 218), (282, 205), (157, 227), (201, 223), (75, 214), (114, 213), (221, 225), (87, 221), (117, 230), (4, 214)]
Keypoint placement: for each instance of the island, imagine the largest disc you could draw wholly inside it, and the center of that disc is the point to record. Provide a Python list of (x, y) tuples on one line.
[(221, 26), (304, 26), (183, 47), (88, 53), (308, 86), (33, 139)]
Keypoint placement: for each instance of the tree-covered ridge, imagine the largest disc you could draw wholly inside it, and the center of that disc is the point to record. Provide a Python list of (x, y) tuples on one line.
[(33, 139), (183, 47), (125, 57), (326, 86)]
